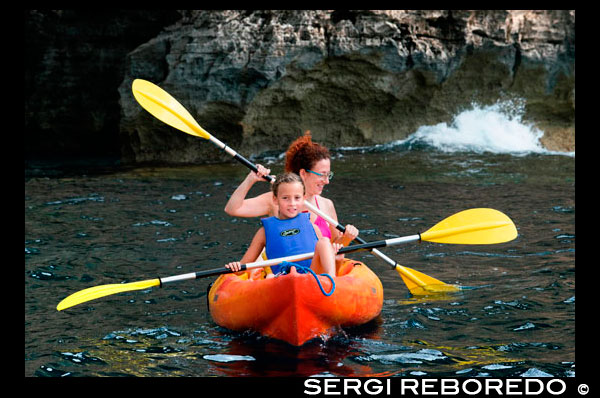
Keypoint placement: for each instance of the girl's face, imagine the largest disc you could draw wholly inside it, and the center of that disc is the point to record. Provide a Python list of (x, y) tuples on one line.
[(290, 198), (314, 183)]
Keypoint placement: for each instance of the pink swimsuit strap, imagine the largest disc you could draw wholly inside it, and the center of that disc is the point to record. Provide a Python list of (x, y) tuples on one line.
[(322, 224)]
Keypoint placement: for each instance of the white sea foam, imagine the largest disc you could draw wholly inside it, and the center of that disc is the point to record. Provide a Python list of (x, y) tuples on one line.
[(228, 358), (497, 128)]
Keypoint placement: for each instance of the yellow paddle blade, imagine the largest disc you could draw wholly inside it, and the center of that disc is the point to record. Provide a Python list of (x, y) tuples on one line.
[(429, 290), (95, 292), (420, 284), (166, 108), (474, 226)]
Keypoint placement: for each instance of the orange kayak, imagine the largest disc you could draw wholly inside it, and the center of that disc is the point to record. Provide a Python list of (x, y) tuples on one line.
[(291, 307)]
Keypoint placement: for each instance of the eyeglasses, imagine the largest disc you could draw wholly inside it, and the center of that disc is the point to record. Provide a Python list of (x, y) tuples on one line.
[(323, 176)]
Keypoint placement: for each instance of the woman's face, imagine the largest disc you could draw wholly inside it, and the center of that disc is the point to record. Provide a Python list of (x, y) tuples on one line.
[(315, 183)]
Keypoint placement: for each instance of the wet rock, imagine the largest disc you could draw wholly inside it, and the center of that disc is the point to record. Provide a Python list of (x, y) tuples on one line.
[(258, 79)]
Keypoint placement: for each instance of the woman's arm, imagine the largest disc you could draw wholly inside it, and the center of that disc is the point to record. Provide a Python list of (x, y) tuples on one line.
[(258, 206), (336, 236), (317, 231), (239, 206)]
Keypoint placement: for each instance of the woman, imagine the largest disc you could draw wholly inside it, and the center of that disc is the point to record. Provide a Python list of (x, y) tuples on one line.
[(312, 162)]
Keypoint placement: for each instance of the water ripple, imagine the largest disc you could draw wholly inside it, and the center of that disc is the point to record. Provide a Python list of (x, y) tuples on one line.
[(137, 224)]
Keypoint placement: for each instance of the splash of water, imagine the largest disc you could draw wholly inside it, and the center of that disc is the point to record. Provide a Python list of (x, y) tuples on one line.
[(496, 128)]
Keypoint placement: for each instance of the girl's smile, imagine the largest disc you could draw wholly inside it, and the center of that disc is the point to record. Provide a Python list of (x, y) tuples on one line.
[(290, 199)]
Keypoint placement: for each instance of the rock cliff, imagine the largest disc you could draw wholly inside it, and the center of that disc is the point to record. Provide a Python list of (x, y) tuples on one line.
[(257, 79)]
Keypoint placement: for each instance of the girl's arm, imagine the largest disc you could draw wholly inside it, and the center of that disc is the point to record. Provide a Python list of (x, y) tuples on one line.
[(256, 246)]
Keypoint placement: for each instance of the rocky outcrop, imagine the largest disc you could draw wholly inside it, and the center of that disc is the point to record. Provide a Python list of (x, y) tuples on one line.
[(257, 79)]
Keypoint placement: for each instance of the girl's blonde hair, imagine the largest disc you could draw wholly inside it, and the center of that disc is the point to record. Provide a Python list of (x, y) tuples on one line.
[(286, 178)]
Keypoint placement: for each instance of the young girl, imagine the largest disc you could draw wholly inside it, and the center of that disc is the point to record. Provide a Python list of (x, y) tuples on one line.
[(290, 232)]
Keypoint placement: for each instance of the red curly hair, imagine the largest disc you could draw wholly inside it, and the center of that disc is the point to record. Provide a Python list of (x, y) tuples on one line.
[(303, 153)]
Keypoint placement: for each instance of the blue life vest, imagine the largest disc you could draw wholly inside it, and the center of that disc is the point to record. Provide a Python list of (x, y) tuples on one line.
[(289, 237)]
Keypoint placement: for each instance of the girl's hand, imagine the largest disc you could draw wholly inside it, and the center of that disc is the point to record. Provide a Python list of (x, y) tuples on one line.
[(336, 247), (235, 266)]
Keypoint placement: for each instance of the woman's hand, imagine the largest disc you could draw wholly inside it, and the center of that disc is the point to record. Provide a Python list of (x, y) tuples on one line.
[(350, 234), (258, 175)]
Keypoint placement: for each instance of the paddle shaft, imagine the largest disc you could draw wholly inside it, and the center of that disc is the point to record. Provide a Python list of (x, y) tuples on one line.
[(342, 229), (297, 257)]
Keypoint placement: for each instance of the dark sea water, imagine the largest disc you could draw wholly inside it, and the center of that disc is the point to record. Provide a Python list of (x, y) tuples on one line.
[(84, 229)]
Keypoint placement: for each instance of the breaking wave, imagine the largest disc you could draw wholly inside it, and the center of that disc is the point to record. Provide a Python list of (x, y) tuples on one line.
[(497, 128)]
